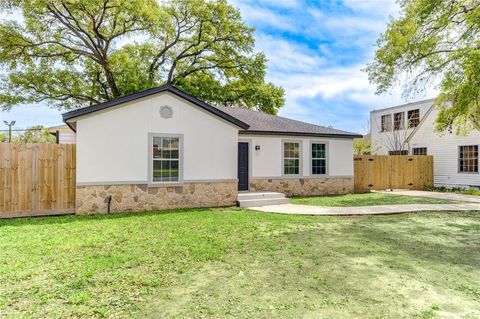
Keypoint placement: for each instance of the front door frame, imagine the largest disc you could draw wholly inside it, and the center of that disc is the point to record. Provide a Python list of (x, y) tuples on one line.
[(249, 162)]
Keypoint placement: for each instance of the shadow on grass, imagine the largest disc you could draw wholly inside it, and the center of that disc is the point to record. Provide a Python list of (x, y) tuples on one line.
[(65, 219), (421, 243)]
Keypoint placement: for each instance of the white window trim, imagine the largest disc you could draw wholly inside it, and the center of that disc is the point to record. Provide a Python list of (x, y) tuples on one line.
[(458, 160), (409, 119), (300, 157), (327, 153), (150, 160), (402, 122), (389, 123), (416, 147)]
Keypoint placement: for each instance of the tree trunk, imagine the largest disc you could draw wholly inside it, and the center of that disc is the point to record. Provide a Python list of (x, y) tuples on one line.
[(110, 80)]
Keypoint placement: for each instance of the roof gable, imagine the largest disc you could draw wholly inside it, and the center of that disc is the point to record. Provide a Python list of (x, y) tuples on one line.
[(69, 116)]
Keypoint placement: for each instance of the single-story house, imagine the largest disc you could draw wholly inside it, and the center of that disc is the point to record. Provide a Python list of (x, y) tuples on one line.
[(162, 148)]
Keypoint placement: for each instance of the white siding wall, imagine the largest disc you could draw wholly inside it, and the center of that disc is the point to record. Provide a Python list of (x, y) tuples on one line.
[(381, 141), (267, 162), (112, 145), (445, 147)]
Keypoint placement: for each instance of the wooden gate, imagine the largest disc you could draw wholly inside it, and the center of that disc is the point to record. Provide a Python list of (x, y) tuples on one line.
[(36, 179), (377, 172)]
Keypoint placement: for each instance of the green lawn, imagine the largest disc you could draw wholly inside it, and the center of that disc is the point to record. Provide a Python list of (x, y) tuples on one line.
[(365, 200), (234, 263)]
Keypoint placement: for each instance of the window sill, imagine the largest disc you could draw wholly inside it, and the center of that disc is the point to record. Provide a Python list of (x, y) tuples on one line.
[(165, 184)]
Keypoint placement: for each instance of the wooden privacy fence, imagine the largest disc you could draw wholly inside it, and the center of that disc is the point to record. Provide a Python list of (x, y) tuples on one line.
[(36, 179), (377, 172)]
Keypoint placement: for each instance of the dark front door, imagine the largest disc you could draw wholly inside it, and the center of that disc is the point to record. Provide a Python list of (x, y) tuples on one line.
[(243, 166)]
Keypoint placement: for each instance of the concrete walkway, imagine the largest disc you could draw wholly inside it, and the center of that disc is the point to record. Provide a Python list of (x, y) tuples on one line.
[(364, 210), (436, 195)]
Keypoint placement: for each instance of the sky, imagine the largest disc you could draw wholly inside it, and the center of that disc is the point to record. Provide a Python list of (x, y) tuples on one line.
[(316, 51)]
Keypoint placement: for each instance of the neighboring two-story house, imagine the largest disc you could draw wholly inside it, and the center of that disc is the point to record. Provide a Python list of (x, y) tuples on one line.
[(408, 129)]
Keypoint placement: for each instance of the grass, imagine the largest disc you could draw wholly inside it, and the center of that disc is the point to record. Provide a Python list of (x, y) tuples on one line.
[(367, 199), (234, 263)]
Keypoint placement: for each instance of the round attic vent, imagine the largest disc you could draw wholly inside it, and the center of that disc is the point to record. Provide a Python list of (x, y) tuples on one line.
[(166, 112)]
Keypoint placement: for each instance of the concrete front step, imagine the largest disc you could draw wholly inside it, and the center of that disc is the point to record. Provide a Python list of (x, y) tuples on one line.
[(259, 195), (259, 199), (262, 202)]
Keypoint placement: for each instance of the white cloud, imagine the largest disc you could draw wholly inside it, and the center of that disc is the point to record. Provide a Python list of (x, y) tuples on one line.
[(273, 3), (286, 56), (347, 24), (258, 15), (373, 7)]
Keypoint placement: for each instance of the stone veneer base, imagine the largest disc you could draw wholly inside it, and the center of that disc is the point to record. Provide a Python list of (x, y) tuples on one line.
[(141, 197), (304, 186)]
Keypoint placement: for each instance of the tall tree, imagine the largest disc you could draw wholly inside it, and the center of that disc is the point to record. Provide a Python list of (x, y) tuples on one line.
[(74, 53), (431, 42)]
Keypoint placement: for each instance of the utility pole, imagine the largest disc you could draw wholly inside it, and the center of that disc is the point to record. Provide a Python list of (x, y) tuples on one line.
[(12, 123)]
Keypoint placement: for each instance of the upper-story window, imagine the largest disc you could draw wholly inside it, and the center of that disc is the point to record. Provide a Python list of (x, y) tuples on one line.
[(386, 123), (413, 118), (398, 121)]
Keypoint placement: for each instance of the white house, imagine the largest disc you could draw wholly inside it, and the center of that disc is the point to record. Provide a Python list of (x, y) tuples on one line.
[(162, 148), (409, 129)]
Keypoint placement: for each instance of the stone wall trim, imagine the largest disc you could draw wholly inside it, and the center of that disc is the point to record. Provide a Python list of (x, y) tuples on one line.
[(303, 186), (142, 197)]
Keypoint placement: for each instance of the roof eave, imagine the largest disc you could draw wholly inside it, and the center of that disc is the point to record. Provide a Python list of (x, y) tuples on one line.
[(306, 134), (72, 126)]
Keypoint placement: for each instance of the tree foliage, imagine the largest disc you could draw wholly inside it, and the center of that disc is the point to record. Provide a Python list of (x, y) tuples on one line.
[(362, 146), (434, 41), (74, 53), (34, 134)]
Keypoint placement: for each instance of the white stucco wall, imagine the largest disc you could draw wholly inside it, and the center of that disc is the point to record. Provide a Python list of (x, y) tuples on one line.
[(445, 148), (382, 141), (267, 162), (112, 145)]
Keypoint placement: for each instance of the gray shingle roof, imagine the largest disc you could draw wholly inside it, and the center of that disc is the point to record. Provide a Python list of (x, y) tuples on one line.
[(262, 123)]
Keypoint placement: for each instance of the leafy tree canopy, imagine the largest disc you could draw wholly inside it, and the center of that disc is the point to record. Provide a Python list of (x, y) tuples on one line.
[(74, 53), (434, 41)]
